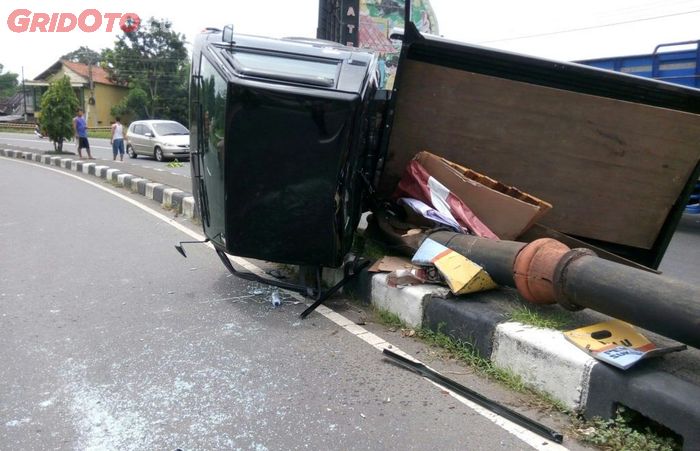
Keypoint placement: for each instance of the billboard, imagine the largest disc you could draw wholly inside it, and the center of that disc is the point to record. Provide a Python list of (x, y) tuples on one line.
[(368, 24)]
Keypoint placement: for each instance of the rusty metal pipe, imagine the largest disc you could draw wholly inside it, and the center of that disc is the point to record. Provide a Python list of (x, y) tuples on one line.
[(547, 271)]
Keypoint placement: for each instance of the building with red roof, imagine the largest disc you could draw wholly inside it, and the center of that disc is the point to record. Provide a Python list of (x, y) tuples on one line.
[(96, 93)]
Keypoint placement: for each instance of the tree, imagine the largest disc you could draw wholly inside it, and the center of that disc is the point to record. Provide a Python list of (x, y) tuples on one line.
[(58, 105), (8, 83), (84, 55), (154, 60), (134, 103)]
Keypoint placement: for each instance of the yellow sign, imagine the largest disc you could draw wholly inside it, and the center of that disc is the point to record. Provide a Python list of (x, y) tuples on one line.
[(607, 335), (462, 275)]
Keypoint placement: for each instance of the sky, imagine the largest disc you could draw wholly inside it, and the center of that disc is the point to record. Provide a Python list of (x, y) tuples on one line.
[(554, 29)]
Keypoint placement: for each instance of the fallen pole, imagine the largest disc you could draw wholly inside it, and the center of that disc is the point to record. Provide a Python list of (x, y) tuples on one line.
[(546, 271)]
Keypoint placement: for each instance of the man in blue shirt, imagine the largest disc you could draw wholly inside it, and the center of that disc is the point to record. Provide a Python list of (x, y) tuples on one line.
[(80, 129)]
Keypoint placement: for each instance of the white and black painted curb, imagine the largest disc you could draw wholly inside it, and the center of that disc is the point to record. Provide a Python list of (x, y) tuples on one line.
[(170, 198), (543, 358)]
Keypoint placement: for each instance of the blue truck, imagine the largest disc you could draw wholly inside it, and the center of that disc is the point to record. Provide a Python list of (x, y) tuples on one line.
[(676, 62)]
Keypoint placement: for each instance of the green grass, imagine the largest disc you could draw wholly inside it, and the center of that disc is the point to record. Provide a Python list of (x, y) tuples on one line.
[(389, 319), (369, 248), (628, 431), (554, 319), (466, 353)]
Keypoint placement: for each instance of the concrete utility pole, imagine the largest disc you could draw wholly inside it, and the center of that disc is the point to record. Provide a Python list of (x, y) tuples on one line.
[(91, 100), (24, 97)]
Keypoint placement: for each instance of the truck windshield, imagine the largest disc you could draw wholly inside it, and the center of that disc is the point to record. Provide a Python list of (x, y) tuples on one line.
[(315, 72)]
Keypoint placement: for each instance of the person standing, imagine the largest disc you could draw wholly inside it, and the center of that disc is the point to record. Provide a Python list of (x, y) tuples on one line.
[(80, 129), (117, 140)]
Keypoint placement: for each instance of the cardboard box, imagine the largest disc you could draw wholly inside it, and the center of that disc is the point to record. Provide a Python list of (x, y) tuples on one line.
[(507, 211)]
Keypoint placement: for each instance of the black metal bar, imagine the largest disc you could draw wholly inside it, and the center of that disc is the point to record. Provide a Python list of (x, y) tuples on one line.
[(327, 294), (406, 13), (256, 278), (493, 406), (181, 250)]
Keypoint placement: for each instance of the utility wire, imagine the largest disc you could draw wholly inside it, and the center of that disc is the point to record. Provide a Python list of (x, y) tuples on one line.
[(593, 27), (645, 7)]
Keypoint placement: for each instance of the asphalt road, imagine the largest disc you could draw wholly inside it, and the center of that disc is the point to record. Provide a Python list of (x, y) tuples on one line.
[(682, 258), (111, 340), (100, 148)]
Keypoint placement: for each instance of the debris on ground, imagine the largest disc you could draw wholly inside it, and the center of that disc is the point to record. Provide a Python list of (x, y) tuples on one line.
[(461, 274), (617, 343)]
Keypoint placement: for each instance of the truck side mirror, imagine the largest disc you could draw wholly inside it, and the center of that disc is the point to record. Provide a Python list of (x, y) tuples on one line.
[(227, 34)]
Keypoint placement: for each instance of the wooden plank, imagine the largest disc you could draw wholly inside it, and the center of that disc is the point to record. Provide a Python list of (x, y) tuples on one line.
[(539, 231), (612, 169)]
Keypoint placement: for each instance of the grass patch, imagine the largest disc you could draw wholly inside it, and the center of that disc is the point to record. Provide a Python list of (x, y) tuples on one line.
[(628, 430), (559, 320), (368, 248), (466, 353), (389, 319)]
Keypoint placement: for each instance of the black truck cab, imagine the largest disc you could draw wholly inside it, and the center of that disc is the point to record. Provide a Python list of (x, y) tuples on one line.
[(278, 141)]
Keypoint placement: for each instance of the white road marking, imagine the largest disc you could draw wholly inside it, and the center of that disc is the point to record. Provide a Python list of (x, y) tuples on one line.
[(530, 438)]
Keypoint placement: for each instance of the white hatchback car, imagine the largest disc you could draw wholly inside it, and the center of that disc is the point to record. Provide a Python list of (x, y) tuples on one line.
[(158, 139)]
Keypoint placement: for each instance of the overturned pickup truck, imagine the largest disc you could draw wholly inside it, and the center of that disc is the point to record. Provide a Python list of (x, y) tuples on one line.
[(290, 138)]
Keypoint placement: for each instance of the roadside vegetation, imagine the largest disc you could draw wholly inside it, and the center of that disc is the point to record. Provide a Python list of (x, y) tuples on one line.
[(546, 319), (58, 106), (627, 431)]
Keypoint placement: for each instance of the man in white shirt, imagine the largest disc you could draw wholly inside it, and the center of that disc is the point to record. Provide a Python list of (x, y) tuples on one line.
[(117, 140)]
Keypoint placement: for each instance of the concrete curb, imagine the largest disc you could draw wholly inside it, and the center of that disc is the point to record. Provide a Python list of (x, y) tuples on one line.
[(170, 198), (543, 358)]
